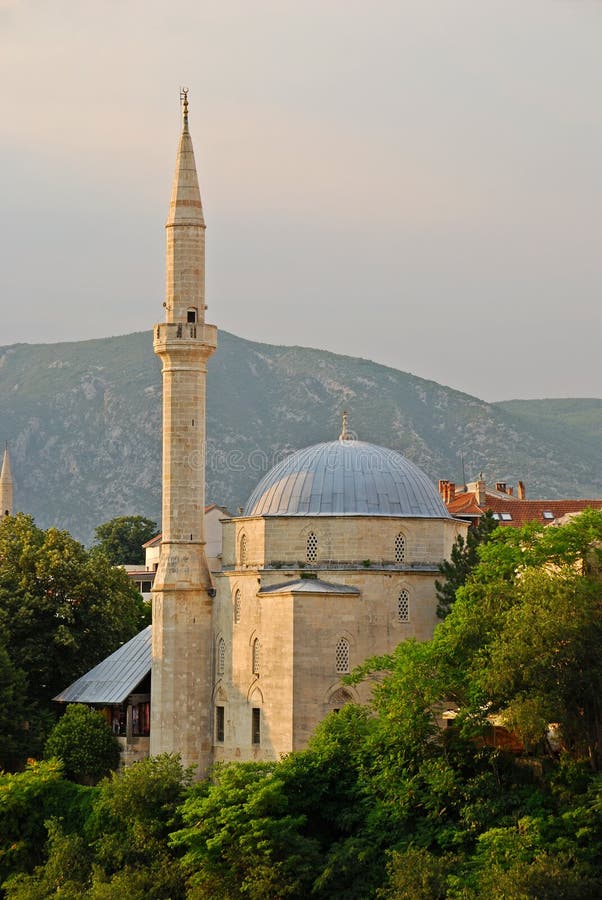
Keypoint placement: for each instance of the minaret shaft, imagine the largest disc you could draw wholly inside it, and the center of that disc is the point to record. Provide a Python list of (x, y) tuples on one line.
[(6, 486), (181, 681)]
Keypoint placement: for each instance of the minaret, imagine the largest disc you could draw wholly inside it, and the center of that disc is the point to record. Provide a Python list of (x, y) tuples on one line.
[(6, 486), (181, 705)]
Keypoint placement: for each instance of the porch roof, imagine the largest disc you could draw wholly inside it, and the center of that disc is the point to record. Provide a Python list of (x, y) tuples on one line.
[(113, 679)]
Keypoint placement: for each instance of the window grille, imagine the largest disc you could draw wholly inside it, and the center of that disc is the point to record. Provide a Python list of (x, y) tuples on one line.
[(256, 725), (312, 547), (221, 657), (403, 606), (341, 658), (219, 724), (243, 550), (339, 699), (237, 607), (400, 549), (256, 656)]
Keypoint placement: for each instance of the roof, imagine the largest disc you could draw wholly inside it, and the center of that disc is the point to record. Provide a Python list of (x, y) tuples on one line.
[(346, 477), (515, 512), (308, 586), (113, 679)]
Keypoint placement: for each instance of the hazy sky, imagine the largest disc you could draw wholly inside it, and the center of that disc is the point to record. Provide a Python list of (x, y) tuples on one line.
[(415, 182)]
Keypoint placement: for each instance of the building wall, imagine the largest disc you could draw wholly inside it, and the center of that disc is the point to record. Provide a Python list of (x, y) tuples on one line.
[(271, 543), (297, 682)]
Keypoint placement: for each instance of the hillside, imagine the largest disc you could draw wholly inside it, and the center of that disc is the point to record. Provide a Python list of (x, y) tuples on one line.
[(83, 422)]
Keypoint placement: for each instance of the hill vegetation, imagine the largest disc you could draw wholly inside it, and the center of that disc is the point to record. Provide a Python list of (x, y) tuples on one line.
[(83, 422)]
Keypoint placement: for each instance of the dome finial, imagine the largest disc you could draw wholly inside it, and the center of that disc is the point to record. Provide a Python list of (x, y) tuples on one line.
[(184, 102), (344, 435)]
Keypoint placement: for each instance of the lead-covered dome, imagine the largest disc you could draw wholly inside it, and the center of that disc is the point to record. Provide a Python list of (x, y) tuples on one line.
[(346, 478)]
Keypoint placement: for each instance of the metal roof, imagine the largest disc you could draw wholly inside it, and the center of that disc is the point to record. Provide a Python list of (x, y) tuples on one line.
[(308, 586), (113, 679), (346, 477)]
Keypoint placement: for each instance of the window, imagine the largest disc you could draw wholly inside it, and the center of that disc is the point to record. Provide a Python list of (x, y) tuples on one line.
[(256, 725), (400, 549), (146, 586), (237, 607), (339, 699), (403, 606), (191, 316), (506, 517), (548, 514), (219, 724), (221, 656), (312, 547), (341, 657), (243, 550), (256, 662)]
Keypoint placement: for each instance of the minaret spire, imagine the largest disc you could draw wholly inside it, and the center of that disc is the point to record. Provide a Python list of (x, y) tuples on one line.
[(6, 485), (345, 434), (184, 102), (181, 681)]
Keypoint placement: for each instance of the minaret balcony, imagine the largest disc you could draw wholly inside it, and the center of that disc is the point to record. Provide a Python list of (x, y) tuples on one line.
[(184, 335)]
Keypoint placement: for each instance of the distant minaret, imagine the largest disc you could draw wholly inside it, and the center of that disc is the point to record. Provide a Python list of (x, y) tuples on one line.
[(181, 706), (6, 486)]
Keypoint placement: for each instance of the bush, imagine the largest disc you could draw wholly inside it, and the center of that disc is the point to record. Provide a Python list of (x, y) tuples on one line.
[(85, 743)]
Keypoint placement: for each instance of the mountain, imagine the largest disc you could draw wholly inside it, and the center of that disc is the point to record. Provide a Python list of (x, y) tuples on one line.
[(84, 424)]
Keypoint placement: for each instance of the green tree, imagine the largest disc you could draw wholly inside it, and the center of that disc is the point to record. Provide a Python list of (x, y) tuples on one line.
[(64, 874), (463, 558), (27, 800), (13, 712), (62, 610), (417, 874), (122, 538), (521, 639), (135, 811), (84, 742)]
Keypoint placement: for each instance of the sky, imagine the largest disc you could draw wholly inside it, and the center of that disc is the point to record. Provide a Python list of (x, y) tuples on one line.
[(416, 182)]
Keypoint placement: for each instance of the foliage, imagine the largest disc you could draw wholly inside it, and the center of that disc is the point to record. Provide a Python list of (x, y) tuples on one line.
[(128, 829), (13, 712), (521, 639), (84, 742), (241, 839), (417, 874), (62, 610), (63, 873), (27, 800), (384, 803), (119, 849), (121, 539), (463, 558)]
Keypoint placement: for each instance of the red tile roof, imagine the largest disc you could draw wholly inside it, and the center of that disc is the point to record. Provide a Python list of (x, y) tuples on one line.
[(522, 511)]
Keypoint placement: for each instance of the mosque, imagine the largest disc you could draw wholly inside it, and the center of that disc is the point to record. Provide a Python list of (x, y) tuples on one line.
[(333, 560)]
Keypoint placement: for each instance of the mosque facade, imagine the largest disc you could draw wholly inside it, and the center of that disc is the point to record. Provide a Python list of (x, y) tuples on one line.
[(333, 560)]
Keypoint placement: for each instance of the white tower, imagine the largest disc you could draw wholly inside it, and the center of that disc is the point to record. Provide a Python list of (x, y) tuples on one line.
[(181, 700), (6, 486)]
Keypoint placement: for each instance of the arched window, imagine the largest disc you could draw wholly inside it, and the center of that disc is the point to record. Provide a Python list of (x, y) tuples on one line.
[(341, 656), (237, 607), (221, 656), (243, 550), (403, 606), (256, 661), (400, 549), (339, 699), (311, 547)]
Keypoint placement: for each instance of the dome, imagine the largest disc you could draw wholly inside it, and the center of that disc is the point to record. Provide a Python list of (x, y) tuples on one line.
[(346, 478)]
